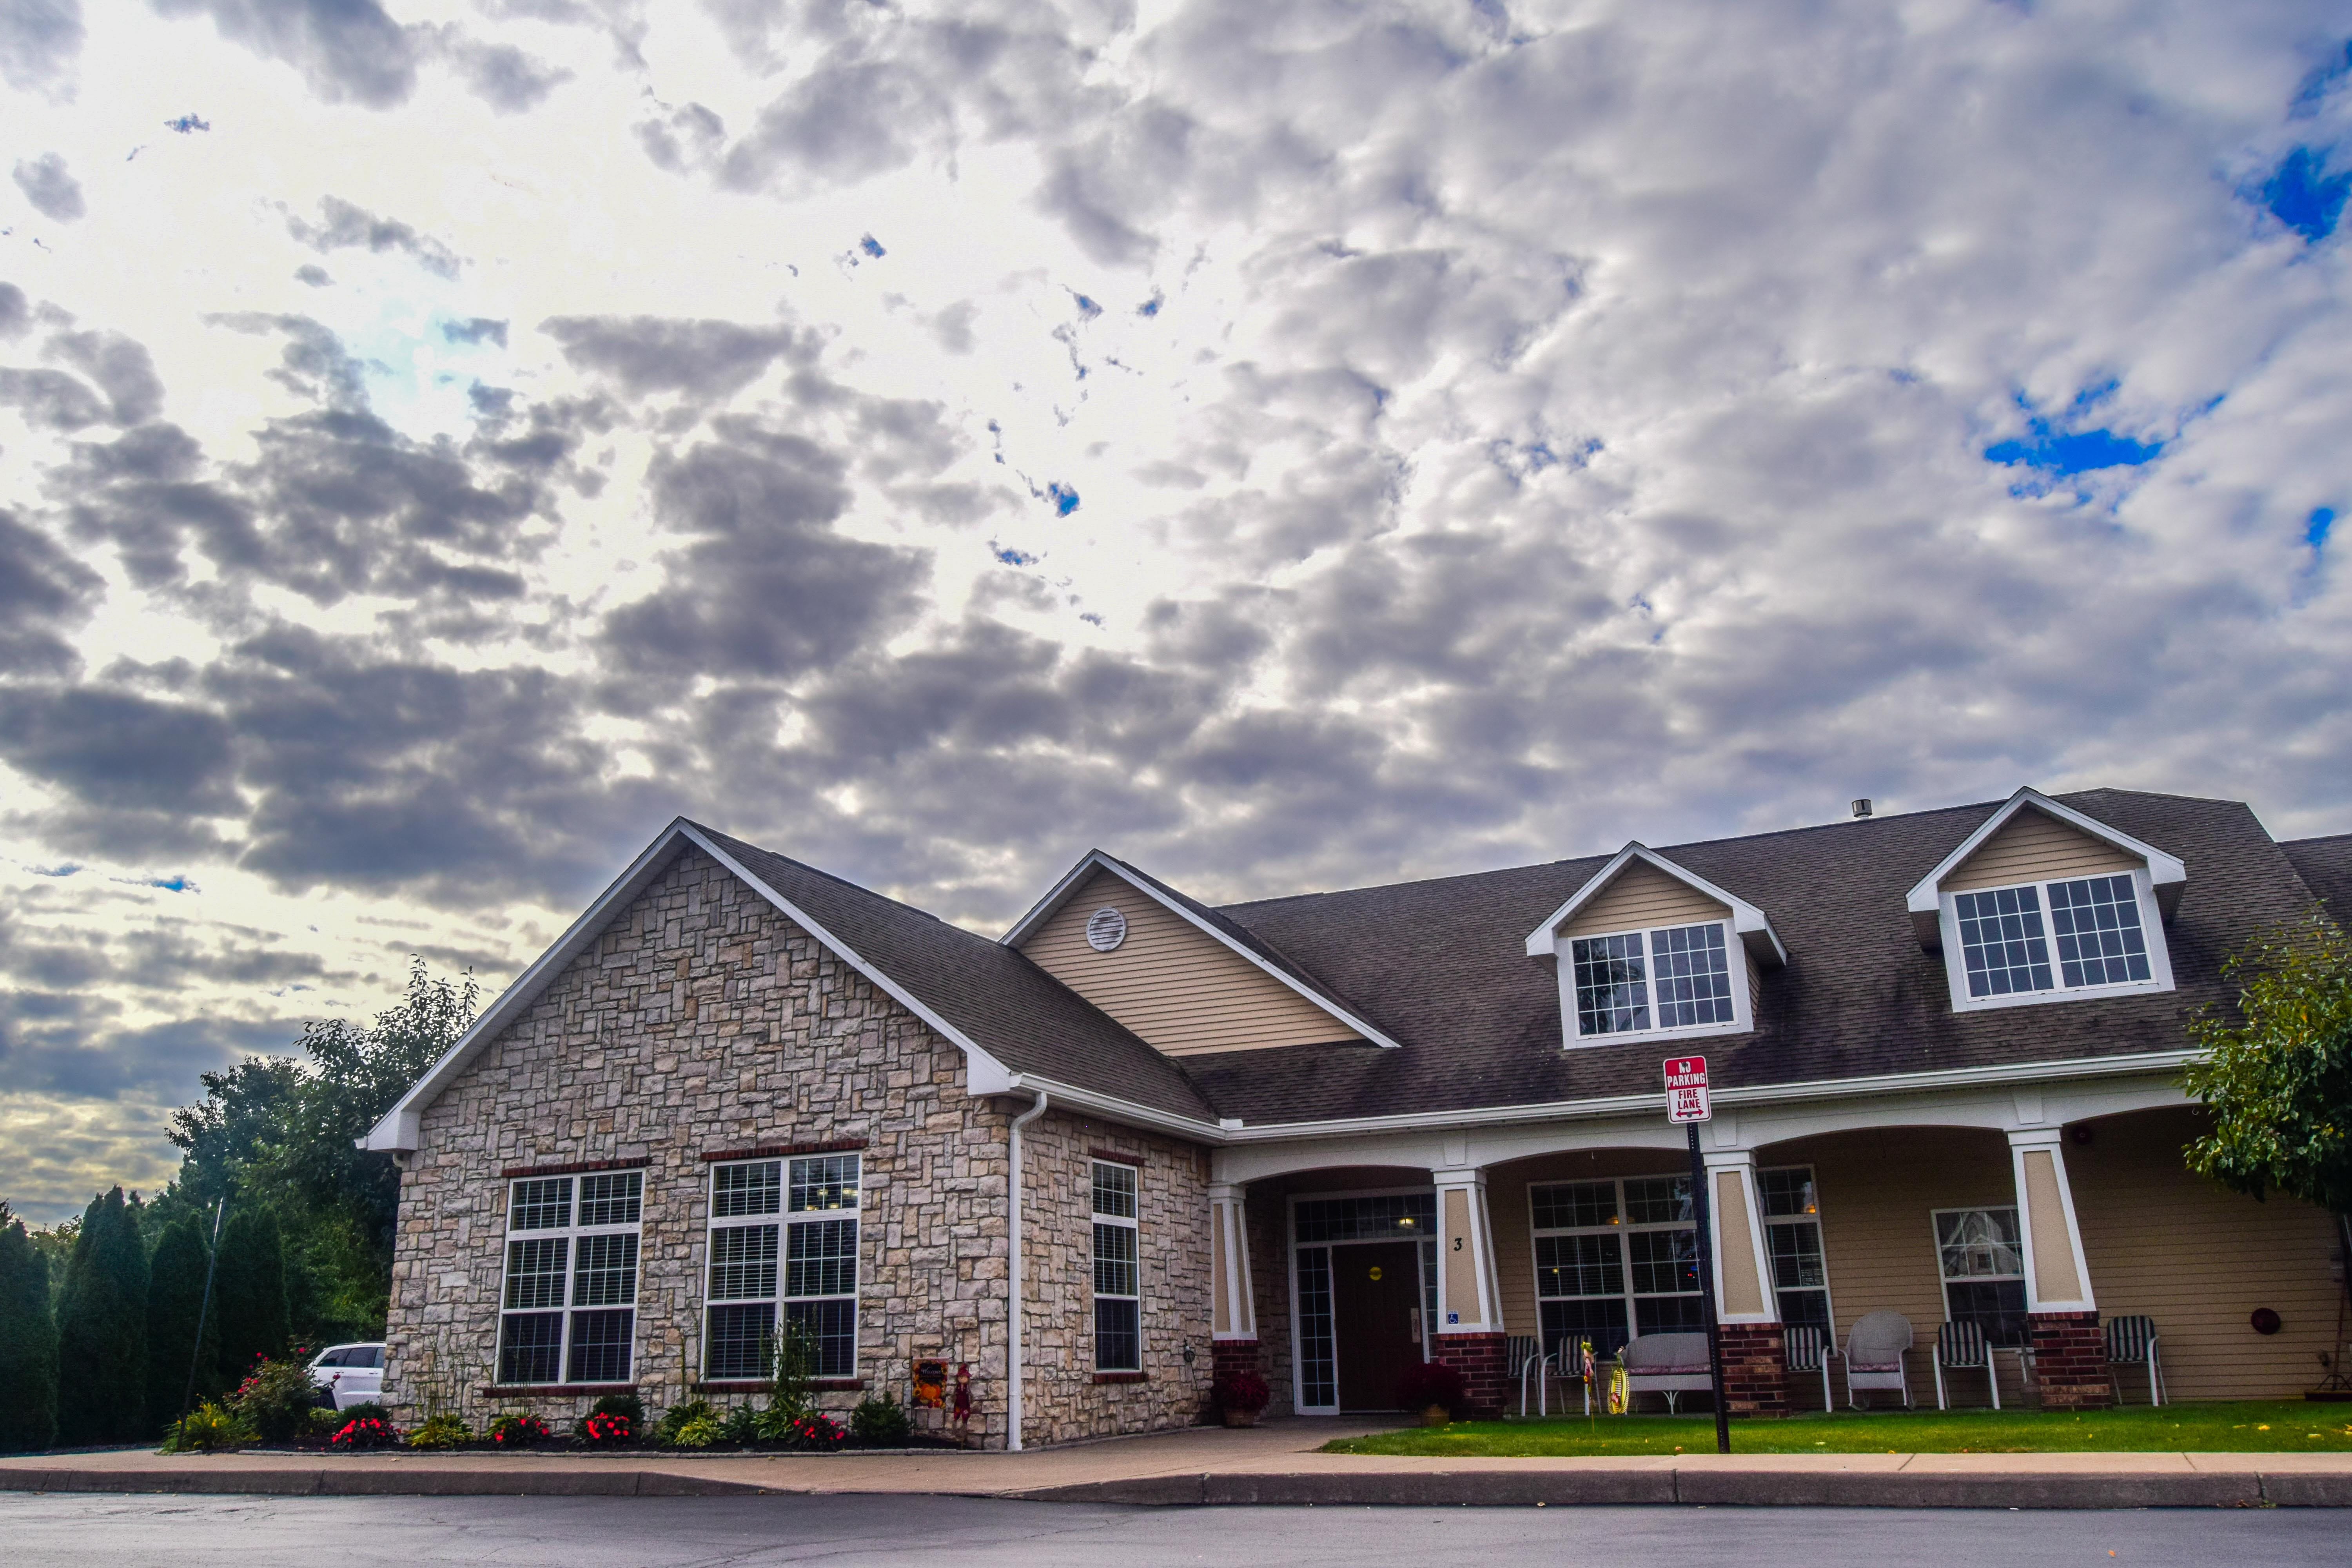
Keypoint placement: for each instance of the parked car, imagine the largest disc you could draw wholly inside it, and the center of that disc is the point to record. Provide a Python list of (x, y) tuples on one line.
[(348, 1374)]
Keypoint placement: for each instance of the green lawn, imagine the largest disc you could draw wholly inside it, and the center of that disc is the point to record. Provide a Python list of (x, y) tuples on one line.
[(2271, 1427)]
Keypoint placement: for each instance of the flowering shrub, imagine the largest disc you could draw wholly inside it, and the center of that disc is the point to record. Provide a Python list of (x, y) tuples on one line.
[(517, 1430), (1243, 1390), (205, 1429), (815, 1431), (1431, 1382), (608, 1429), (276, 1398), (442, 1431), (366, 1431)]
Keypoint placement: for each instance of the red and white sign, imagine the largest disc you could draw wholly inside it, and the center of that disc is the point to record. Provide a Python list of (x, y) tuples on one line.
[(1686, 1090)]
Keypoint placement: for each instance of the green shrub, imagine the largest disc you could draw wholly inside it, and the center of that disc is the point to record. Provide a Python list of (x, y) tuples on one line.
[(678, 1416), (741, 1426), (366, 1432), (103, 1330), (518, 1429), (176, 1293), (28, 1343), (792, 1369), (628, 1405), (250, 1291), (698, 1432), (208, 1427), (277, 1398), (366, 1410), (880, 1422), (442, 1431)]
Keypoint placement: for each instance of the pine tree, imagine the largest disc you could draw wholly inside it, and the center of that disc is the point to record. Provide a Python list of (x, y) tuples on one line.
[(103, 1330), (175, 1290), (250, 1291), (28, 1343)]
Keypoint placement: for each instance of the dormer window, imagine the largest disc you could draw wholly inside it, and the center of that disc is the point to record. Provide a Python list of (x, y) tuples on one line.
[(1683, 972), (2095, 921)]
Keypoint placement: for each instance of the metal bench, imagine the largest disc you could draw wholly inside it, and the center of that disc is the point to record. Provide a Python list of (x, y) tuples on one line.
[(1670, 1365)]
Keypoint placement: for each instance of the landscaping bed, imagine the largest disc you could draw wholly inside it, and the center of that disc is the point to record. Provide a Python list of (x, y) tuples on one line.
[(2280, 1427)]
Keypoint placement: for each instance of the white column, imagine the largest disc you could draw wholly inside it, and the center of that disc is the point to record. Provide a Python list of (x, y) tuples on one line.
[(1468, 1299), (1232, 1305), (2057, 1278), (1743, 1269)]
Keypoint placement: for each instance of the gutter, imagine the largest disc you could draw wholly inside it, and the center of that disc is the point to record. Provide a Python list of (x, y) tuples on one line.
[(1013, 1277)]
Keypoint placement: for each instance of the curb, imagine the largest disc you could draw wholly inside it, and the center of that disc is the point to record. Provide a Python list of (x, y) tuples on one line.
[(381, 1483)]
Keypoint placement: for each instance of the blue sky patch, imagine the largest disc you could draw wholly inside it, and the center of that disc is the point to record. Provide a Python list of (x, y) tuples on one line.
[(2319, 84), (2304, 197), (2316, 526), (1065, 498), (2061, 448), (1012, 557), (187, 123), (872, 246)]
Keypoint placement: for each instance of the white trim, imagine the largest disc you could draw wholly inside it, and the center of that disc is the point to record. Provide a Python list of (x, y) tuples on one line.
[(2166, 873), (1944, 1281), (2054, 1141), (783, 1219), (1014, 1370), (1747, 923), (1109, 1105), (1956, 963), (1828, 1291), (1095, 859), (1486, 1316), (1129, 1222), (1292, 1246), (572, 1233), (1572, 1011), (1228, 1211), (1744, 1161)]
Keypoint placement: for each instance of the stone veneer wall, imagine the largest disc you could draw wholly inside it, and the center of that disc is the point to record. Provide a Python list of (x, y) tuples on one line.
[(1267, 1211), (704, 1021), (1064, 1400)]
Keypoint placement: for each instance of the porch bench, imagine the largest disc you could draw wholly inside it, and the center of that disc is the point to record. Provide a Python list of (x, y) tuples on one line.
[(1670, 1365)]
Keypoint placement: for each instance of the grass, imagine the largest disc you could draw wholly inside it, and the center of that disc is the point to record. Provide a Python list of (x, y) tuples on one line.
[(2280, 1427)]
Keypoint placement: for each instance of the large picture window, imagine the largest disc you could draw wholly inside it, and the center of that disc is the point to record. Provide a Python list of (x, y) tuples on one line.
[(784, 1240), (568, 1310), (2070, 935), (1982, 1262), (1119, 1306), (1675, 978), (1793, 1233), (1614, 1259)]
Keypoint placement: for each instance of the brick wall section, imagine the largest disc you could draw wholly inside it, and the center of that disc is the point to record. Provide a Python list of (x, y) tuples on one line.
[(1483, 1360), (2069, 1361), (1064, 1400), (1755, 1370)]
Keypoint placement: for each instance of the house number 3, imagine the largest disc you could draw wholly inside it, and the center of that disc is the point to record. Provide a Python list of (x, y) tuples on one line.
[(1458, 1243)]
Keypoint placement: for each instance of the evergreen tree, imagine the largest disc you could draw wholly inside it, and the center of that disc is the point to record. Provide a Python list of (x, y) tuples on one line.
[(103, 1330), (250, 1291), (175, 1291), (28, 1343)]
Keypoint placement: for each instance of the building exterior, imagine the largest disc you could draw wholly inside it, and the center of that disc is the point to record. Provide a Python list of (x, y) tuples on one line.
[(1138, 1138)]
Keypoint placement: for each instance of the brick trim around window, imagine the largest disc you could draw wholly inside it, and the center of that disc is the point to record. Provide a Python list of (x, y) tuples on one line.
[(753, 1385), (786, 1151), (1118, 1157), (576, 1168), (536, 1390), (1122, 1377)]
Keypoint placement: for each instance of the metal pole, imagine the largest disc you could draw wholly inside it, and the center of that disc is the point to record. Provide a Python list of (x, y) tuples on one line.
[(188, 1395), (1707, 1291)]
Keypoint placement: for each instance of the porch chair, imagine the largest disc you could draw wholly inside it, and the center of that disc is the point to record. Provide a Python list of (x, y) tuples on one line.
[(1809, 1349), (1670, 1365), (2131, 1342), (1523, 1356), (1873, 1356), (1961, 1347)]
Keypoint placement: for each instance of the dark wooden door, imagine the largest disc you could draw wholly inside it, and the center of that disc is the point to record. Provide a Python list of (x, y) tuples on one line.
[(1375, 1293)]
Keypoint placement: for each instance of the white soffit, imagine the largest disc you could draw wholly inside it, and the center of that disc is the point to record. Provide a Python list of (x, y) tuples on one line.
[(2166, 875), (1748, 922)]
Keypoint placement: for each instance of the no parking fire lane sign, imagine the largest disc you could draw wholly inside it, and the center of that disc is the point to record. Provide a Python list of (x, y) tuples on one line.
[(1686, 1090)]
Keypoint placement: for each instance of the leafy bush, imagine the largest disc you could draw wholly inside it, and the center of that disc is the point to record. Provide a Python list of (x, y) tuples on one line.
[(880, 1422), (792, 1369), (366, 1432), (628, 1405), (441, 1431), (812, 1430), (366, 1410), (698, 1432), (276, 1398), (1243, 1390), (677, 1417), (208, 1430), (1431, 1382), (741, 1426), (518, 1429), (608, 1429)]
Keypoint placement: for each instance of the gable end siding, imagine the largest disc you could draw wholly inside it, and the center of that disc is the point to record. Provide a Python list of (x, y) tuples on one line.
[(1181, 989), (1642, 896), (2034, 846)]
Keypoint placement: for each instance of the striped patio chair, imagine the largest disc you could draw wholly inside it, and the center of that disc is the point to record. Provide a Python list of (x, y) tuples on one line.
[(2131, 1342), (1809, 1349), (1960, 1347), (1522, 1357)]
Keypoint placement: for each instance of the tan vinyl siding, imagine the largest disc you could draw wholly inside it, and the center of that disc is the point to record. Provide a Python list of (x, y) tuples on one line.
[(1181, 989), (2034, 847), (1640, 898), (2199, 1259)]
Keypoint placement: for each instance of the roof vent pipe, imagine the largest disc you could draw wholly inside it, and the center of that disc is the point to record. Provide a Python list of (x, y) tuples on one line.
[(1861, 809)]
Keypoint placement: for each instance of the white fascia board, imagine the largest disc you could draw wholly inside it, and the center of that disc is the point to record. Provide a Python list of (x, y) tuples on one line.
[(2133, 1066), (1111, 1106), (1096, 858), (396, 1130), (1747, 923), (2166, 873)]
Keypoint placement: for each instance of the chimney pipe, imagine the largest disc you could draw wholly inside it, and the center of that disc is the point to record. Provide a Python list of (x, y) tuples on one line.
[(1861, 809)]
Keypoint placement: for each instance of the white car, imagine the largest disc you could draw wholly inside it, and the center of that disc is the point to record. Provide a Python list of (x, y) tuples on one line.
[(350, 1374)]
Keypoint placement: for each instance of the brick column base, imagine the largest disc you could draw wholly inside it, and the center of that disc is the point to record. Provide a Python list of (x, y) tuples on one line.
[(1755, 1370), (1482, 1359), (1227, 1356), (2069, 1361)]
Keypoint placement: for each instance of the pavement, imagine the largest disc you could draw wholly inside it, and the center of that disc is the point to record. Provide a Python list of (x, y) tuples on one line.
[(1277, 1463)]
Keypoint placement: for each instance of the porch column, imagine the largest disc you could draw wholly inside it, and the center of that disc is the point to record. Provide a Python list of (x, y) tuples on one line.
[(1755, 1364), (2070, 1359), (1232, 1304), (1470, 1337)]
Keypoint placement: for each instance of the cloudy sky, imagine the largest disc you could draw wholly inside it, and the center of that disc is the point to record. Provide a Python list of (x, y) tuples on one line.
[(1289, 443)]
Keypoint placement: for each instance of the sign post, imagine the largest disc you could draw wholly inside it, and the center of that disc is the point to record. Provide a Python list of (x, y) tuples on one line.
[(1686, 1103)]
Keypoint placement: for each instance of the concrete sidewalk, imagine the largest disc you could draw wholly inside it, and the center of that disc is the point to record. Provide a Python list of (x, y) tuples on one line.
[(1274, 1464)]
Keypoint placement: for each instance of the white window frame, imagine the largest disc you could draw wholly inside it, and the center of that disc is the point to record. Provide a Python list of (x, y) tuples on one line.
[(1623, 1226), (570, 1235), (1829, 1296), (1133, 1225), (1425, 1251), (784, 1220), (1944, 1283), (2151, 925), (1734, 958)]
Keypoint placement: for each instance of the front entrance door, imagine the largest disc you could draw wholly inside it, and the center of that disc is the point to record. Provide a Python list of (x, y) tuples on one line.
[(1376, 1295)]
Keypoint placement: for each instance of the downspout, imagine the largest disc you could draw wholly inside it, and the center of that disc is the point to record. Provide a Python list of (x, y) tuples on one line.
[(1013, 1277)]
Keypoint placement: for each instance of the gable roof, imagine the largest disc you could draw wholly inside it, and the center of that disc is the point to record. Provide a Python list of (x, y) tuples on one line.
[(1018, 1027), (2165, 874), (1747, 923), (1249, 945), (2326, 865)]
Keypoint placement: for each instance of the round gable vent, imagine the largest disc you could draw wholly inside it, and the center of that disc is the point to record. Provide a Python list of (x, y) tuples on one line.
[(1106, 929)]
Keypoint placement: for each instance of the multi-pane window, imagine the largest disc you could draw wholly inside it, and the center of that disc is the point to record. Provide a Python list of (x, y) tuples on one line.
[(1793, 1233), (2005, 942), (784, 1240), (1678, 977), (1119, 1308), (1615, 1260), (1982, 1262), (568, 1310), (1317, 1223)]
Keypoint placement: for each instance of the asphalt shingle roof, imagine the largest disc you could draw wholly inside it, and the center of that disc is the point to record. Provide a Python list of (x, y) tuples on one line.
[(2326, 868)]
